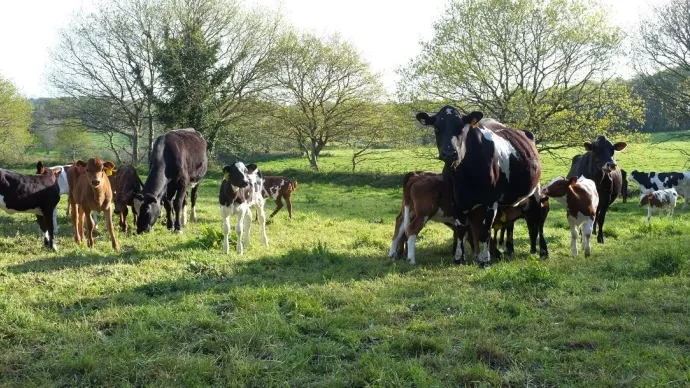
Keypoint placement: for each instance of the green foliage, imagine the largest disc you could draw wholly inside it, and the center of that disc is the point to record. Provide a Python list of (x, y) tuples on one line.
[(15, 120), (73, 142), (538, 65)]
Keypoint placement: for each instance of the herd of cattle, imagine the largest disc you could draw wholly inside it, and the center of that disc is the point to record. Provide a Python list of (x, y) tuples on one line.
[(490, 179)]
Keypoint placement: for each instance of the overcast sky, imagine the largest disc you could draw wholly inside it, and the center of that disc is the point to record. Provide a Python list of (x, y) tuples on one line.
[(386, 32)]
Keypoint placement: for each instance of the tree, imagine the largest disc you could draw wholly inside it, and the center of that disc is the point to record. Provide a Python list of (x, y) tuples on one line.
[(15, 120), (662, 58), (325, 90), (105, 59), (215, 59), (74, 143), (521, 62)]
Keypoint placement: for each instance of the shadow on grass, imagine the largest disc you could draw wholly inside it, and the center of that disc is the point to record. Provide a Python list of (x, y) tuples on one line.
[(80, 259)]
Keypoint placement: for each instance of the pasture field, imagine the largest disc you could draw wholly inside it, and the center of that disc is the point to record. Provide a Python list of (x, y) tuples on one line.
[(322, 306)]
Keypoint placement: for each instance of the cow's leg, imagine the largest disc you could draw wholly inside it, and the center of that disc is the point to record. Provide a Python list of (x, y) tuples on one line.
[(279, 205), (135, 215), (586, 236), (89, 226), (111, 229), (178, 207), (167, 204), (243, 209), (75, 215), (123, 219), (543, 248), (415, 226), (510, 245), (573, 235), (494, 243), (262, 221), (484, 256), (247, 225), (183, 212), (670, 209), (195, 195), (401, 222), (225, 219), (288, 201), (601, 218), (52, 229), (44, 229), (80, 214), (649, 214)]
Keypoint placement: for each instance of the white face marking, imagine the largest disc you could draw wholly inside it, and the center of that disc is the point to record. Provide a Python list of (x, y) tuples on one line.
[(503, 149)]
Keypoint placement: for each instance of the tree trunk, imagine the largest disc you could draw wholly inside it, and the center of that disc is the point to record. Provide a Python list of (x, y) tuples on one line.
[(135, 148), (314, 155), (149, 147)]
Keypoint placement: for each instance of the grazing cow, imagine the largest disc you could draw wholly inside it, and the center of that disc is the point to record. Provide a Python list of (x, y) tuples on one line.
[(652, 181), (624, 187), (599, 165), (490, 165), (279, 187), (427, 197), (35, 194), (659, 200), (92, 193), (177, 161), (239, 191), (580, 197), (126, 184)]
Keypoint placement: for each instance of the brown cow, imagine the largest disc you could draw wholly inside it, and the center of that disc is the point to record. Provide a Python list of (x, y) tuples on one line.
[(125, 183), (92, 193), (279, 187)]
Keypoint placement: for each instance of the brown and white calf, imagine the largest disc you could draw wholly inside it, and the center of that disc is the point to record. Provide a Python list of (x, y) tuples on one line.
[(659, 200), (125, 183), (279, 188), (92, 193), (239, 191), (34, 194), (581, 199)]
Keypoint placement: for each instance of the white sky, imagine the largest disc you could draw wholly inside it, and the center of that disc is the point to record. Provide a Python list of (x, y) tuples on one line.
[(386, 32)]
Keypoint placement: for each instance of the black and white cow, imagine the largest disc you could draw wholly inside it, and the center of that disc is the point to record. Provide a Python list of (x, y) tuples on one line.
[(34, 194), (599, 165), (177, 161), (659, 200), (239, 191), (490, 165), (653, 181)]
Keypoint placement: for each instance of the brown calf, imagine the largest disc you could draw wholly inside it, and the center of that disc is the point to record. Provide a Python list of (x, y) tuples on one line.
[(125, 183), (279, 187), (91, 193), (581, 199)]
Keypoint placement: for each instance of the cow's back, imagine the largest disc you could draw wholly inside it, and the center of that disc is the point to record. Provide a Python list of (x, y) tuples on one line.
[(181, 152)]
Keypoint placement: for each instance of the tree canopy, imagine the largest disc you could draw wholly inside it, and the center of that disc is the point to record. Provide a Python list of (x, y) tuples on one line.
[(15, 120)]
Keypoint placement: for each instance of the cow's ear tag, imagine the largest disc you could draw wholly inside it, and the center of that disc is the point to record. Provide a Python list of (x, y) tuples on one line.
[(475, 125), (108, 171)]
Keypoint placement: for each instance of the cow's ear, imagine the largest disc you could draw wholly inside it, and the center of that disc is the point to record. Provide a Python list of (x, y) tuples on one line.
[(80, 163), (473, 118), (109, 168), (425, 119), (620, 146), (226, 173), (39, 167), (57, 171), (252, 167), (588, 146), (139, 196), (572, 180)]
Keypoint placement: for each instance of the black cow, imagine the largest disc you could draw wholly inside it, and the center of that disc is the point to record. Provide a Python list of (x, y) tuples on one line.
[(177, 161), (599, 165), (490, 165), (35, 194), (653, 181)]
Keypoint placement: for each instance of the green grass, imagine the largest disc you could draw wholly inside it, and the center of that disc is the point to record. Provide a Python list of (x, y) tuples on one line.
[(323, 306)]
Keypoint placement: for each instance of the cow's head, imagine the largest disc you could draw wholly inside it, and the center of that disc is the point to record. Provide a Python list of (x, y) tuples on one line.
[(239, 175), (602, 152), (645, 199), (97, 172), (148, 209), (449, 124), (60, 173), (558, 187)]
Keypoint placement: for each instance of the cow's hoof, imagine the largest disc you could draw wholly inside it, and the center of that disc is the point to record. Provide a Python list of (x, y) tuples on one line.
[(544, 254), (178, 231), (484, 265), (459, 262)]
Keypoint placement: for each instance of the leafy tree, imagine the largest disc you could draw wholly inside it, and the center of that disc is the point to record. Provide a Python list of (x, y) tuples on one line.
[(662, 59), (15, 120), (215, 58), (73, 142), (104, 59), (522, 62), (325, 89)]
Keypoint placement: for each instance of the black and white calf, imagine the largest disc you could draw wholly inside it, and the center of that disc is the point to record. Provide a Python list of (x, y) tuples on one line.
[(34, 194), (239, 191), (659, 200), (652, 181)]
